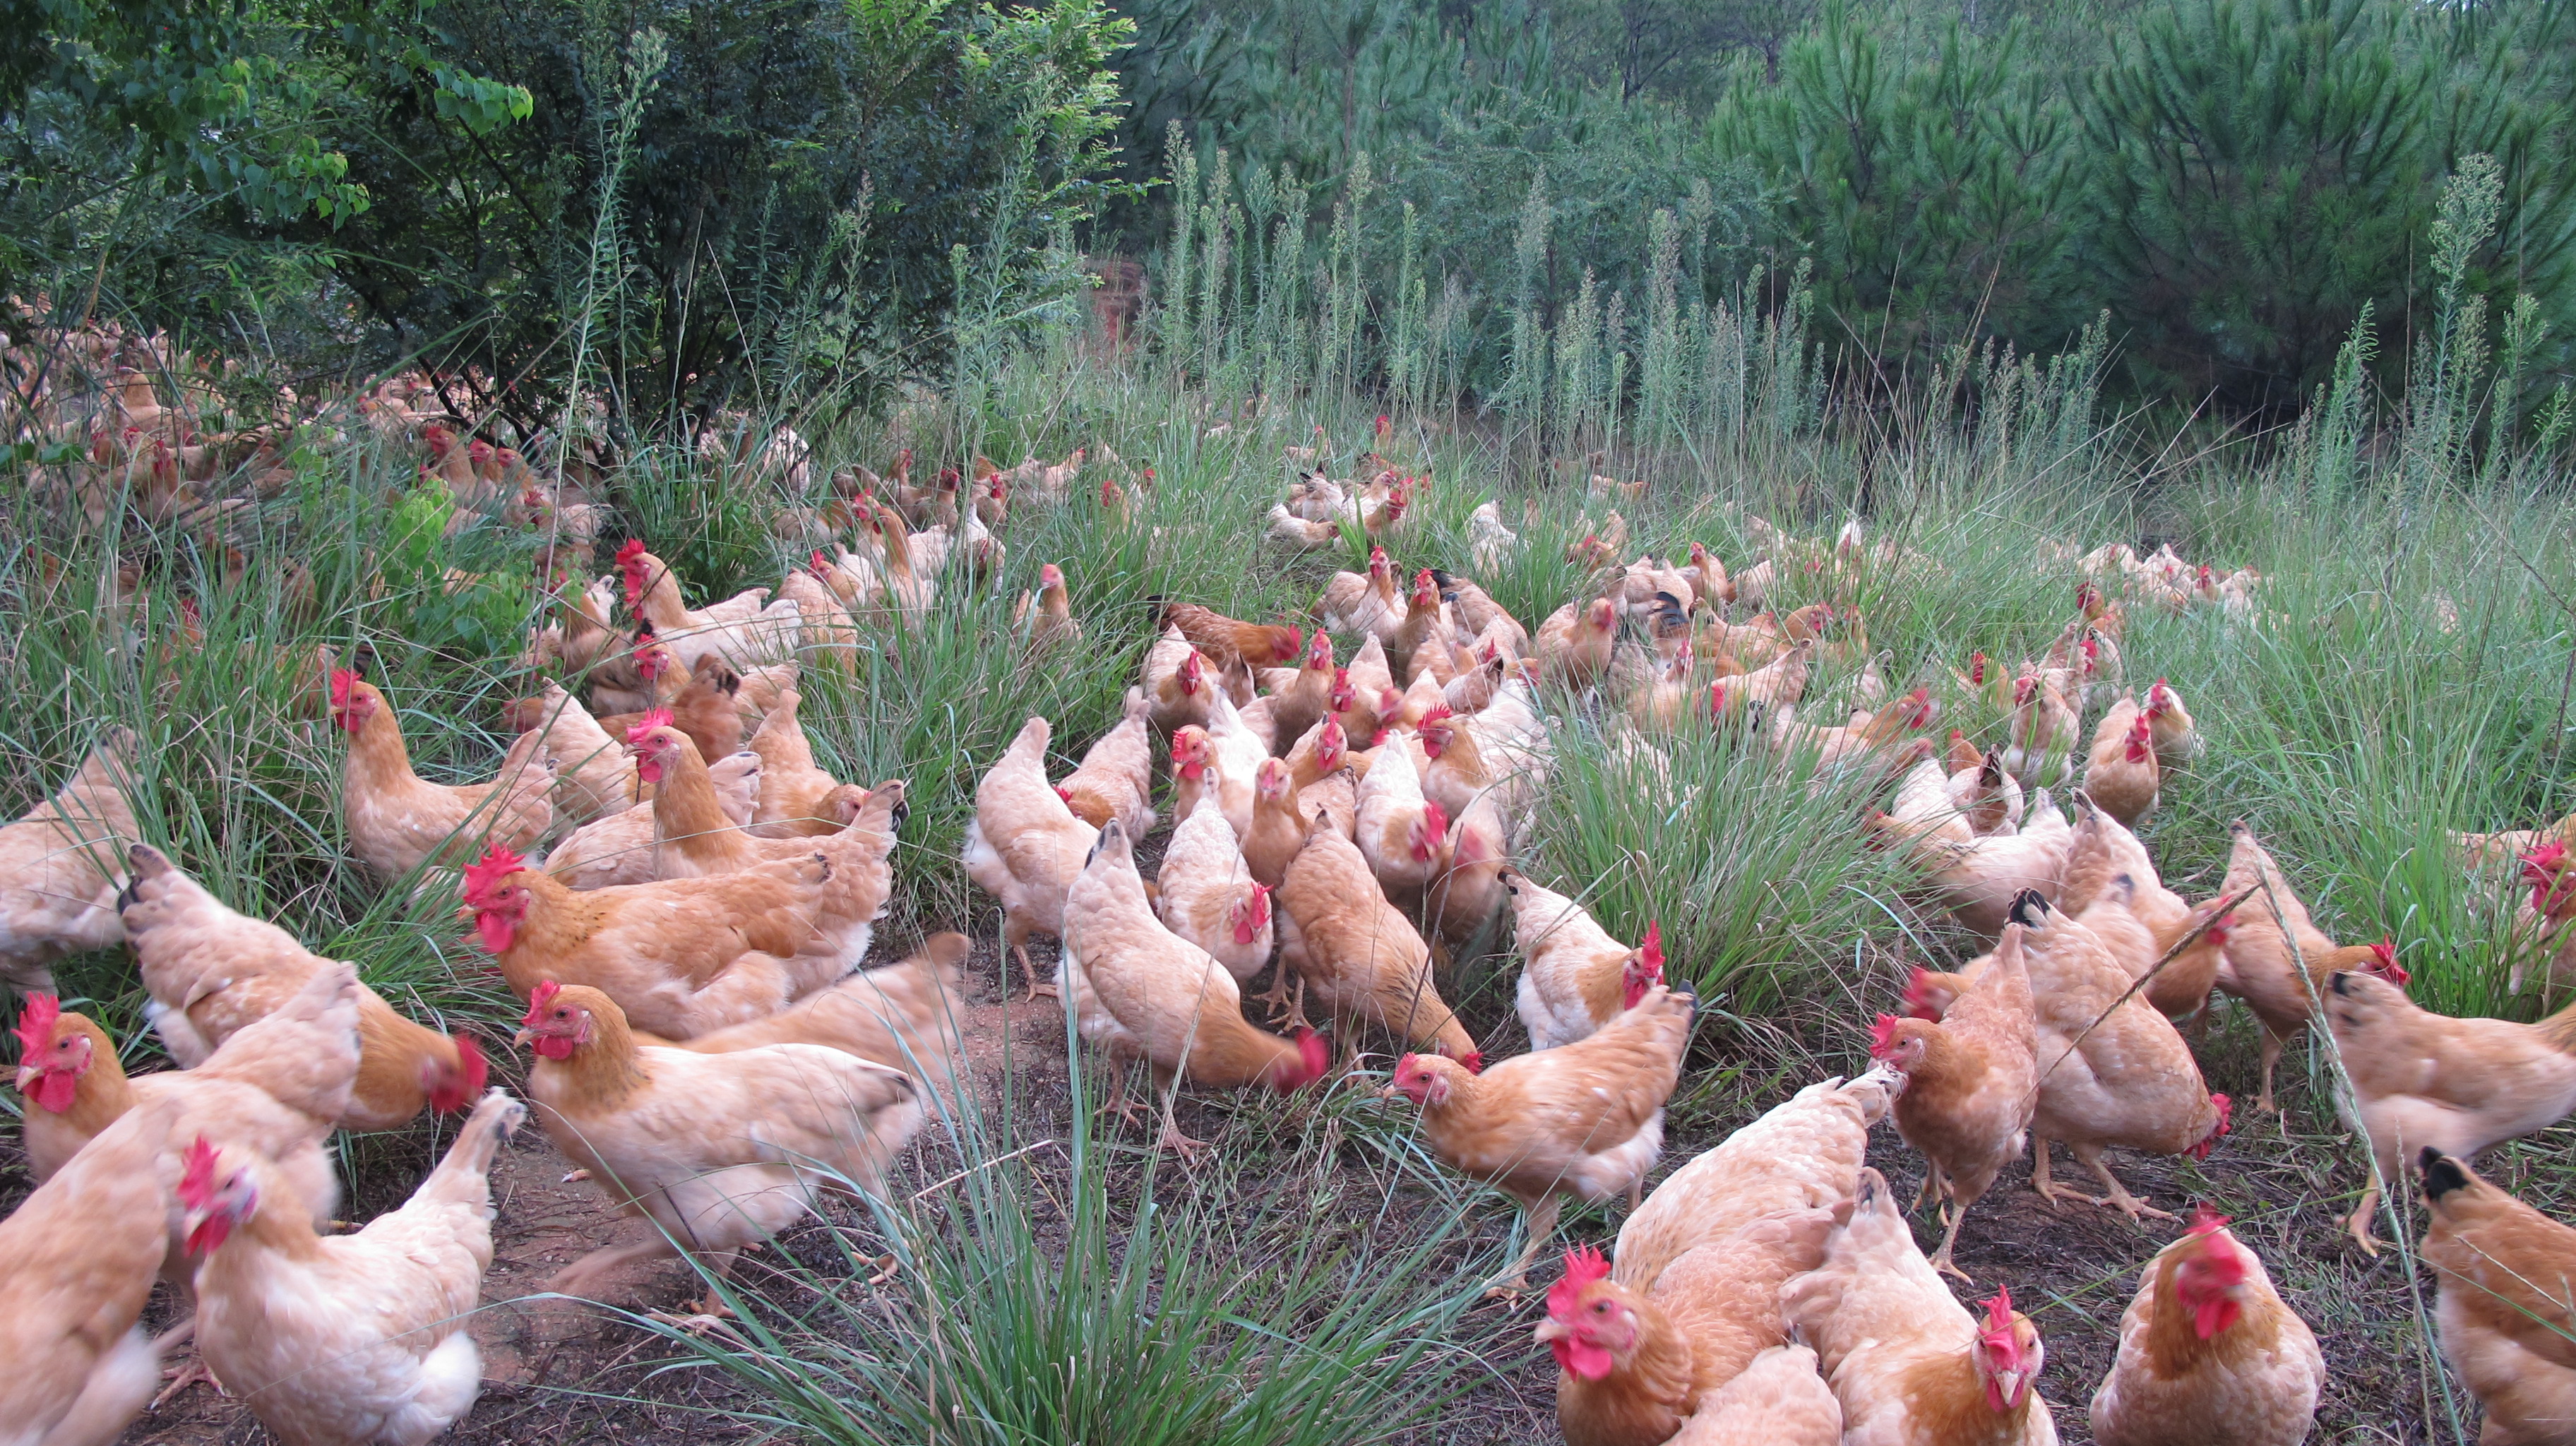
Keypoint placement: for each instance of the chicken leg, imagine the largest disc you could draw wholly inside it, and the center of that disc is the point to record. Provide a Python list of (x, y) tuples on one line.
[(2047, 1188), (1029, 973), (2119, 1199), (1277, 998), (1950, 1237), (1540, 1217)]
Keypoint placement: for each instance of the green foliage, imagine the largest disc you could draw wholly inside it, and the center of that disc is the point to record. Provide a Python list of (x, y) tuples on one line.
[(439, 603)]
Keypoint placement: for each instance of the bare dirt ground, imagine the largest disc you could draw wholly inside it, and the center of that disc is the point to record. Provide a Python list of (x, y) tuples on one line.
[(559, 1370)]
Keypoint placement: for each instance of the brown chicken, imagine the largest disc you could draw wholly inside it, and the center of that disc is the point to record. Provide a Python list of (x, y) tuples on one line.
[(797, 797), (704, 703), (1140, 991), (1046, 616), (2275, 958), (1223, 639), (906, 1016), (1576, 978), (718, 1151), (1910, 1366), (692, 836), (2121, 773), (84, 1250), (212, 973), (1026, 846), (1631, 1364), (59, 865), (1179, 678), (1297, 707), (1363, 602), (2177, 740), (1574, 644), (2043, 729), (734, 631), (2506, 1324), (1585, 1119), (2209, 1353), (397, 822), (2422, 1080), (1356, 953), (1116, 776), (346, 1338), (1206, 894), (689, 955), (1971, 1083), (593, 777)]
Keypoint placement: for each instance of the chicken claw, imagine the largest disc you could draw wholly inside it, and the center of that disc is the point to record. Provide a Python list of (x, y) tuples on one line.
[(1941, 1263), (1029, 972), (182, 1377)]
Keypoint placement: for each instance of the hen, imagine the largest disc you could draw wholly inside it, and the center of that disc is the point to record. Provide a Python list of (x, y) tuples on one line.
[(1577, 977), (798, 799), (1584, 1119), (2275, 958), (1224, 640), (1970, 1084), (1026, 845), (1142, 992), (397, 822), (718, 1151), (738, 631), (2423, 1080), (213, 972), (905, 1016), (1910, 1366), (1402, 834), (1363, 603), (2120, 772), (2507, 1328), (83, 1252), (2209, 1353), (1116, 776), (346, 1340), (692, 955), (1779, 1400), (1979, 879), (59, 865), (1359, 956), (1206, 893), (1631, 1364), (593, 777)]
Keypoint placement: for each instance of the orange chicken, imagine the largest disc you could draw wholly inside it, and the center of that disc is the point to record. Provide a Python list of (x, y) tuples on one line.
[(2505, 1321), (1116, 777), (2209, 1352), (1577, 977), (1359, 955), (1971, 1081), (59, 866), (1026, 845), (397, 822)]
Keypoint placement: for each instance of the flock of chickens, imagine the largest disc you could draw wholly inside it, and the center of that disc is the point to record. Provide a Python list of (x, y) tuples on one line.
[(683, 897)]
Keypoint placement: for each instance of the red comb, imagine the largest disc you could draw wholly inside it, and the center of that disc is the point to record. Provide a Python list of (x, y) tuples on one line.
[(197, 1184), (652, 719), (1473, 1061), (497, 863), (1582, 1267), (2384, 955), (1652, 951), (1999, 1312), (344, 683), (455, 1094), (2209, 1142), (538, 998), (36, 1024), (631, 554), (2205, 1219), (1919, 999), (1882, 1036)]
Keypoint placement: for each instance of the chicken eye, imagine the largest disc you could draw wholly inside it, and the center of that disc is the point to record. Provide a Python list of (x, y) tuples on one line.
[(1601, 1307)]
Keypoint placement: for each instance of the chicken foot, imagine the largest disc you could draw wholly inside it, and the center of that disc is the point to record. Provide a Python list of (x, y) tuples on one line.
[(182, 1377), (2119, 1199), (1029, 973), (2047, 1188), (1540, 1219), (1277, 998), (1171, 1138), (2361, 1220), (1950, 1237)]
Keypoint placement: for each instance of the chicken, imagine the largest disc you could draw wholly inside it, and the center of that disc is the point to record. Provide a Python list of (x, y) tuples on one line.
[(1142, 992), (1357, 953), (704, 703), (1045, 617), (1304, 702), (213, 973), (1480, 618), (1584, 1119), (2120, 771), (397, 822), (1502, 751), (798, 799), (1910, 1366), (690, 836), (718, 1151), (2043, 730), (346, 1339), (1425, 627), (2112, 1070), (1300, 534), (1026, 845), (1223, 639), (1488, 540), (1237, 752), (59, 867), (2177, 740), (694, 955), (1576, 978), (1987, 795), (2209, 1353), (1970, 1084), (2456, 1085), (2112, 889), (1279, 825), (736, 631), (1778, 1400), (1805, 1151), (1206, 893), (593, 777), (1632, 1364), (1767, 690), (1574, 644), (2506, 1325), (83, 1252), (1979, 879), (1116, 776), (1403, 835), (1179, 678), (2275, 958)]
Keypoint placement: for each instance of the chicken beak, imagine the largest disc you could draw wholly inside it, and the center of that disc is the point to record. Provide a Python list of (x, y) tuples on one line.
[(1550, 1330), (1388, 1092), (28, 1074), (524, 1038), (2012, 1384)]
